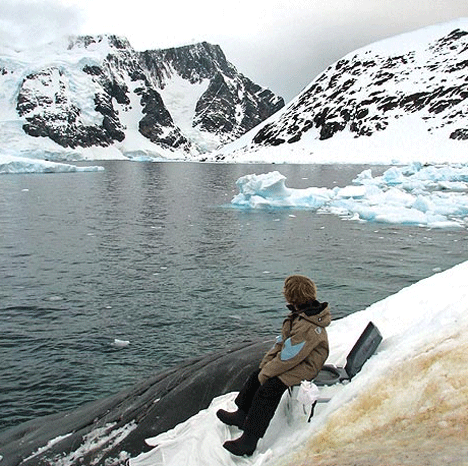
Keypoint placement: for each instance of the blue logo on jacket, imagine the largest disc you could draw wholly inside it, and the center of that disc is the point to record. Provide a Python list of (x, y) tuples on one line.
[(289, 350)]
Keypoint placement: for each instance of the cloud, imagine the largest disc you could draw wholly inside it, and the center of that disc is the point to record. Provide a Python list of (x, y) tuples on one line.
[(291, 47), (29, 23), (277, 43)]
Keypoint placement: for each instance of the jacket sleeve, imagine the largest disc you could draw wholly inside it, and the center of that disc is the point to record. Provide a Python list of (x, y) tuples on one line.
[(294, 350), (272, 352)]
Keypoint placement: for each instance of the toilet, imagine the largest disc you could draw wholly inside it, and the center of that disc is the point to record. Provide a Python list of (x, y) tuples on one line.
[(362, 350)]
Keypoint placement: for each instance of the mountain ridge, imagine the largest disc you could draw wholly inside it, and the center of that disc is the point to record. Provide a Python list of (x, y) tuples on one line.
[(98, 92), (362, 99)]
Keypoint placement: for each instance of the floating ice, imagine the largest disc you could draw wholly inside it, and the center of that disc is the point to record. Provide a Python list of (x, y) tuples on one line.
[(120, 343), (430, 196), (54, 298), (21, 165), (269, 190)]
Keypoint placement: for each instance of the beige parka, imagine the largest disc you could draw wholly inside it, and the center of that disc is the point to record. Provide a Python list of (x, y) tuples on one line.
[(302, 349)]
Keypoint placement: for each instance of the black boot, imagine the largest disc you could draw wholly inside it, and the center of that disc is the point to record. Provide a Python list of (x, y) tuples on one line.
[(244, 445), (236, 418)]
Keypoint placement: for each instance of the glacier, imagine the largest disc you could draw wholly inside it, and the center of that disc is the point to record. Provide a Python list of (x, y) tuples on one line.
[(416, 383), (427, 196), (21, 165), (396, 101)]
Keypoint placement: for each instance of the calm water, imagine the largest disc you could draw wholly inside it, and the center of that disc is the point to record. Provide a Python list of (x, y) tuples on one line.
[(154, 254)]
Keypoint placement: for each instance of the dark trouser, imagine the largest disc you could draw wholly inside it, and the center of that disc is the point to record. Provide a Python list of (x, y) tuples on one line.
[(259, 402)]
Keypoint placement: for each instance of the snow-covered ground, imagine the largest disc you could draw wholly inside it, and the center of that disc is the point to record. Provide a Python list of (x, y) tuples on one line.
[(406, 407), (398, 145), (15, 65), (410, 136), (430, 196)]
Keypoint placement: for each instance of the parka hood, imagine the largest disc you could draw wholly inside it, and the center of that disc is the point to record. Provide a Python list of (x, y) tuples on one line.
[(314, 311)]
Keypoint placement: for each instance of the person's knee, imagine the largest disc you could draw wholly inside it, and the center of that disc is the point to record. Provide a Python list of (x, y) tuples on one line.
[(272, 388)]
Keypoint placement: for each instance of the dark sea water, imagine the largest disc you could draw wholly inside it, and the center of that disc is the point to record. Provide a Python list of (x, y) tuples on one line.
[(153, 254)]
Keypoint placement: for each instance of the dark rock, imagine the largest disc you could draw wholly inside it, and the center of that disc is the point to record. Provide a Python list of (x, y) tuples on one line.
[(228, 91), (330, 128), (460, 134), (59, 119), (157, 124)]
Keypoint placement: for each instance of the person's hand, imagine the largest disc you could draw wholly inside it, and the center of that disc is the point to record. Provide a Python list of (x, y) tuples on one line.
[(262, 378)]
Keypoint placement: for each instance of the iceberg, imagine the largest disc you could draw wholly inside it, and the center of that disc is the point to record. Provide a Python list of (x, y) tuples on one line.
[(269, 190), (22, 165), (427, 196)]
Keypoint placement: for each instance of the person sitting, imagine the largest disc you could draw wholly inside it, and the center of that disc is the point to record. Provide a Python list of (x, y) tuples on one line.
[(298, 354)]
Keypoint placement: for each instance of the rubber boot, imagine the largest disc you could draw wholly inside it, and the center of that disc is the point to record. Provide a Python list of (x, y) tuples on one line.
[(244, 445), (236, 418)]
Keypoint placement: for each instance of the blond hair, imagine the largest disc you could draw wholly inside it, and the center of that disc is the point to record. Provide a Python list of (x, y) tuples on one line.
[(299, 289)]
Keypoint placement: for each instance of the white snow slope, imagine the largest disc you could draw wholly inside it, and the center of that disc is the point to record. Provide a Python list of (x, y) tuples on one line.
[(406, 407), (395, 101)]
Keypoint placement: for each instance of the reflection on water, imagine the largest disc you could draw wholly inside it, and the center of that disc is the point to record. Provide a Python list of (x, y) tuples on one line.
[(155, 254)]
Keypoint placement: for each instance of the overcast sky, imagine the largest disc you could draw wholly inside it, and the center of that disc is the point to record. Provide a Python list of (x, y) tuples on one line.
[(282, 45)]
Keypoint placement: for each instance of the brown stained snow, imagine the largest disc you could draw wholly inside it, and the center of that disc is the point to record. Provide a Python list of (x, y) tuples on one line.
[(417, 416)]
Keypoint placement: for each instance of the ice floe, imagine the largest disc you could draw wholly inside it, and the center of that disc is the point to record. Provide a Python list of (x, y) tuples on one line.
[(429, 196), (22, 165)]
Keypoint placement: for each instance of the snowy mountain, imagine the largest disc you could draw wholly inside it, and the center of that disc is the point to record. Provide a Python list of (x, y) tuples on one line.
[(402, 98), (88, 93)]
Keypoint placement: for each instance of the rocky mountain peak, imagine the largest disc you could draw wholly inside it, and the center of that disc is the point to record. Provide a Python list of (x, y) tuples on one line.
[(419, 77), (187, 99), (191, 62), (87, 41)]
